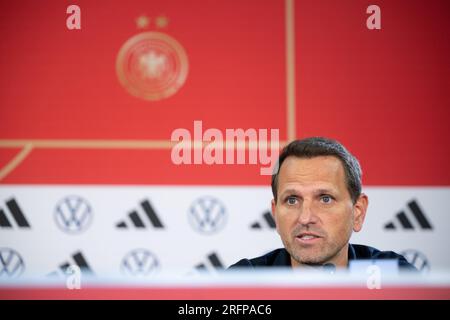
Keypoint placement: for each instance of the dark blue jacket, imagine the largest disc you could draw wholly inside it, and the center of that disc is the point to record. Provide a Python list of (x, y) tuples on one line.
[(281, 258)]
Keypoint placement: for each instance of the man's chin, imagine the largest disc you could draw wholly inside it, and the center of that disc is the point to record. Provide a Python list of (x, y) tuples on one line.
[(309, 259)]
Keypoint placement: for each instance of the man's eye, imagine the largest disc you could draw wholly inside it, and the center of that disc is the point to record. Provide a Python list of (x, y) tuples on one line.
[(291, 200), (326, 199)]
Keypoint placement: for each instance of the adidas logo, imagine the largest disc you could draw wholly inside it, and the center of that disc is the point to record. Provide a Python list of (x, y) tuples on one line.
[(213, 262), (403, 221), (16, 213), (79, 260), (138, 221), (265, 222)]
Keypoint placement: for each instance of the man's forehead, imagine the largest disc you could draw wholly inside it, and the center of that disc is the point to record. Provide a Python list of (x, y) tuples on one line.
[(325, 171), (312, 163)]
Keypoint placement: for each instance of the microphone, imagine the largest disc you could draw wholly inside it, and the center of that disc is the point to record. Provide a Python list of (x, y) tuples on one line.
[(329, 268), (326, 268)]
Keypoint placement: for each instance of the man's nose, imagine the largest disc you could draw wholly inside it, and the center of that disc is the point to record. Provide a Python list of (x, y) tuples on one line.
[(307, 213)]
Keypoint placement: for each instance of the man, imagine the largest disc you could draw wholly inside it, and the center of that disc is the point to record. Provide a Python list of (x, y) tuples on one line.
[(317, 204)]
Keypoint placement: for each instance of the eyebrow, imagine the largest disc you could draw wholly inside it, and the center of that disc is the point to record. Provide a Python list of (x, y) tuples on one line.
[(289, 191), (317, 192), (325, 190)]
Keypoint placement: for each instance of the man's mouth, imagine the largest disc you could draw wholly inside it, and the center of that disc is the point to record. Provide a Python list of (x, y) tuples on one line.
[(307, 237)]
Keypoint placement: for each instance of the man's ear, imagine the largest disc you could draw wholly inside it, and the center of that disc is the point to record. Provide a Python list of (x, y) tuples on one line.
[(359, 212), (274, 212)]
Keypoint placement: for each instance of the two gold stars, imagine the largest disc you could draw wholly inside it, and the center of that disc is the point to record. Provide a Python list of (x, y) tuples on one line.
[(143, 22)]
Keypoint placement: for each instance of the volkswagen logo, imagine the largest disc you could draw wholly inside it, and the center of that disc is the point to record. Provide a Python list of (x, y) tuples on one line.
[(139, 262), (207, 215), (73, 214), (417, 259), (11, 263)]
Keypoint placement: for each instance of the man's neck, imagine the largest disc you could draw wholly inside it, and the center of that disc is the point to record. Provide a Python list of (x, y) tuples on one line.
[(340, 260)]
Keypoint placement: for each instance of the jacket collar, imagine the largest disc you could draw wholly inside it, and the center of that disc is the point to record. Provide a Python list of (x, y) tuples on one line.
[(284, 258)]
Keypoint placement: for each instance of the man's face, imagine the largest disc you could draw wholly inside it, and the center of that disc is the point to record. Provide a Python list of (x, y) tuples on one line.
[(314, 213)]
